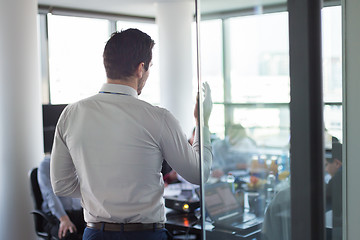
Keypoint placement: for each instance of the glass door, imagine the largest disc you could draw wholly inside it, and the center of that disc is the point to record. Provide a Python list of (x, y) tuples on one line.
[(244, 56), (273, 88)]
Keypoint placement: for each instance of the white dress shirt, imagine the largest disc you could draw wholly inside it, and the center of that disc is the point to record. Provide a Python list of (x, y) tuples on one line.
[(108, 150)]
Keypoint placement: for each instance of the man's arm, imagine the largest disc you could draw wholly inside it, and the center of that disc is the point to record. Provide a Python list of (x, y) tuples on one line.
[(63, 174), (181, 156)]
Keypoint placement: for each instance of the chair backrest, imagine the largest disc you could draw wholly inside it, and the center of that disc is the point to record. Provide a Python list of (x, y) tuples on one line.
[(37, 199), (35, 189)]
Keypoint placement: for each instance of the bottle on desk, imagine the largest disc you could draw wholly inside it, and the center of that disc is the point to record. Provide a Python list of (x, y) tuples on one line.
[(231, 180), (270, 190)]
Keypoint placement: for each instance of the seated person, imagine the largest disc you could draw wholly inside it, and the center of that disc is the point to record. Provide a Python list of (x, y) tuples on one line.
[(333, 190), (67, 214), (333, 166), (233, 152), (277, 221)]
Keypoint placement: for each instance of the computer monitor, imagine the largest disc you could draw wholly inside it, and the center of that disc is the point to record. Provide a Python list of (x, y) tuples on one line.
[(220, 201), (51, 114)]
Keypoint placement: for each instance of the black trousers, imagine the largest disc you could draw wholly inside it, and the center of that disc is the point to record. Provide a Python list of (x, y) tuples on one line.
[(76, 216)]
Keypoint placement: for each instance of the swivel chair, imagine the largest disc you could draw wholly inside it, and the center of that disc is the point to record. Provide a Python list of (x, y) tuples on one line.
[(39, 216)]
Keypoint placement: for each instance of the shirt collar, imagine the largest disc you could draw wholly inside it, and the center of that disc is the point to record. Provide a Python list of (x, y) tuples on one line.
[(119, 88)]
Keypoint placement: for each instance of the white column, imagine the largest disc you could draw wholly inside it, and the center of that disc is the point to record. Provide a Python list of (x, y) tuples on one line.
[(20, 115), (175, 20)]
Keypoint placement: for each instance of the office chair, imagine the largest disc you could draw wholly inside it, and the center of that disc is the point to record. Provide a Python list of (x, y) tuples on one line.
[(39, 216)]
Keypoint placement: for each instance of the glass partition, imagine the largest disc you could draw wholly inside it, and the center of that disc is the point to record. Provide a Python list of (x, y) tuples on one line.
[(332, 84), (245, 59)]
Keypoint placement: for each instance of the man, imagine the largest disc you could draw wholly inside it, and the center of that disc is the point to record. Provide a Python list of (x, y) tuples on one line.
[(233, 152), (277, 221), (333, 165), (66, 213), (109, 148), (334, 189)]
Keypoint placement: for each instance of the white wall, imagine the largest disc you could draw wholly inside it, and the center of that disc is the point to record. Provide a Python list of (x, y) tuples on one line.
[(174, 20)]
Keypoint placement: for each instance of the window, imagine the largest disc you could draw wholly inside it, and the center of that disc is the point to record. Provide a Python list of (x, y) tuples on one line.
[(259, 67), (75, 63), (212, 71), (246, 61), (75, 57), (249, 75), (332, 70), (259, 73)]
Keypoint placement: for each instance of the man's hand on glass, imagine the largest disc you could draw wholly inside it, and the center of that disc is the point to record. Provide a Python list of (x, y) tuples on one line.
[(207, 105)]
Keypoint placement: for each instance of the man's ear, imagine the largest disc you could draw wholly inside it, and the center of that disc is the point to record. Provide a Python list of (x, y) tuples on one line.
[(140, 70)]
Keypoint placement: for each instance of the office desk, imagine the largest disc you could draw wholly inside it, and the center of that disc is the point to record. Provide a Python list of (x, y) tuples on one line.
[(187, 224)]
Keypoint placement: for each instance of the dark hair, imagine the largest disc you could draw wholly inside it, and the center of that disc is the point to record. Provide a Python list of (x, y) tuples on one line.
[(124, 52)]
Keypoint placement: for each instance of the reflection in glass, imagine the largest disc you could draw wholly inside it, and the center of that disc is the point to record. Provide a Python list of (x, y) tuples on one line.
[(245, 58), (211, 61), (246, 61), (217, 121), (333, 120), (268, 126), (332, 54), (259, 58), (333, 192), (332, 77)]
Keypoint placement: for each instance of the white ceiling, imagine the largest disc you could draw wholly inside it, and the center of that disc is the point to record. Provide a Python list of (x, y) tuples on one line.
[(147, 8)]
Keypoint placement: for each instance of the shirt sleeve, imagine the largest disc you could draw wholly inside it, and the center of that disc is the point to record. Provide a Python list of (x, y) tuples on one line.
[(52, 201), (63, 174), (180, 155)]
